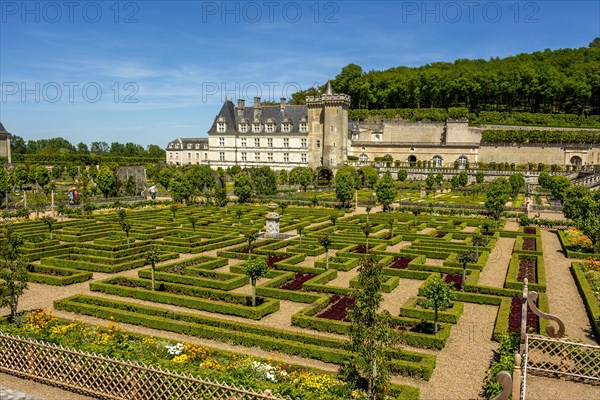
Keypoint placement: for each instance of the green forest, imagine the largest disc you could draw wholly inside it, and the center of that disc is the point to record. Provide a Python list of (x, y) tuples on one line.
[(564, 81)]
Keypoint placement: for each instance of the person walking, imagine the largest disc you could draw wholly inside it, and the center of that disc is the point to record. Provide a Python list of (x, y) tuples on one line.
[(153, 191)]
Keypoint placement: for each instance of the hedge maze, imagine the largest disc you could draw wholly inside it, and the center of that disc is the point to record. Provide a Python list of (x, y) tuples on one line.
[(201, 289)]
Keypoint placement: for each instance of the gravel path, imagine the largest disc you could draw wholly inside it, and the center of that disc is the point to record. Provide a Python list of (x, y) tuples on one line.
[(13, 388), (495, 269), (542, 388), (397, 297), (565, 301)]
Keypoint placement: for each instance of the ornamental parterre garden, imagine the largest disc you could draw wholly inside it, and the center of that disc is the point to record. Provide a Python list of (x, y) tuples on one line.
[(201, 291)]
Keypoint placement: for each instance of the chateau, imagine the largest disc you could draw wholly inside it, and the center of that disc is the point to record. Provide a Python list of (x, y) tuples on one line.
[(4, 143), (320, 134)]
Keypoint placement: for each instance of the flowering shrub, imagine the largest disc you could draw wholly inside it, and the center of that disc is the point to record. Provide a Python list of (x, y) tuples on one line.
[(39, 320), (578, 241)]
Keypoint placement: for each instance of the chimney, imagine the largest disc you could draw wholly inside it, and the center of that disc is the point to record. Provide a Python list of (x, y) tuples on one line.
[(257, 108), (240, 107), (282, 103)]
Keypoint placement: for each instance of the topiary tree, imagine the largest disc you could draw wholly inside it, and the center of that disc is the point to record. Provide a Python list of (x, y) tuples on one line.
[(325, 241), (126, 227), (386, 191), (299, 231), (367, 231), (437, 293), (152, 257), (250, 238), (463, 258), (415, 211), (333, 219), (478, 240), (255, 269), (283, 206), (174, 209), (193, 220), (390, 222), (49, 221), (238, 216), (368, 210)]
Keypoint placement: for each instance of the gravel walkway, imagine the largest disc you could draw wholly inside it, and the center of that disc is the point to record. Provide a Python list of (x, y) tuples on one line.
[(13, 388), (542, 388), (494, 273), (565, 301)]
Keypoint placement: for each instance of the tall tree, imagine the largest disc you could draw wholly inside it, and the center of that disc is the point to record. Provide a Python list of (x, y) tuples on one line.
[(13, 271), (255, 269), (386, 191), (371, 337), (496, 197), (105, 180), (344, 187)]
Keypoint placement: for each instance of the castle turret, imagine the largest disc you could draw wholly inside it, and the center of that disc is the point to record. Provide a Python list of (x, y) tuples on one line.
[(5, 143)]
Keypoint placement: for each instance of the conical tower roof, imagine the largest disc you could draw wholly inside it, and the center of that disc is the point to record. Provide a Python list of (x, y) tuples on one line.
[(2, 130), (329, 89)]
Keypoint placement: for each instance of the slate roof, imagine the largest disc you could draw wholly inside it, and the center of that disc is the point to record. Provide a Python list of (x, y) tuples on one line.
[(294, 112), (184, 141), (2, 130)]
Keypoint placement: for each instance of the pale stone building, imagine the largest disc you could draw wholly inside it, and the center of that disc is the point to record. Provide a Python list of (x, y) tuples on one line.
[(187, 151), (320, 134)]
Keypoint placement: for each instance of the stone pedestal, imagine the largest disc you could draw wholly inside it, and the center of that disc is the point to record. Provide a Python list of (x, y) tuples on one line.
[(272, 225)]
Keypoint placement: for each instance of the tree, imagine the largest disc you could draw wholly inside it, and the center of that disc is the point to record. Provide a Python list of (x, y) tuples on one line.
[(255, 269), (201, 177), (369, 176), (242, 187), (282, 177), (4, 183), (299, 231), (333, 218), (390, 222), (496, 197), (402, 175), (193, 220), (325, 241), (105, 180), (238, 216), (41, 176), (174, 208), (152, 257), (478, 240), (307, 176), (371, 337), (437, 293), (73, 171), (463, 179), (126, 227), (20, 175), (49, 221), (479, 177), (416, 211), (283, 206), (430, 181), (583, 207), (386, 191), (164, 177), (368, 210), (13, 271), (344, 187), (262, 180), (367, 231), (181, 188), (464, 258), (517, 183), (250, 238)]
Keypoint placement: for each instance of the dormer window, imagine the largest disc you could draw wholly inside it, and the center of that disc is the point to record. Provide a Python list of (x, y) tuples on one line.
[(256, 128), (170, 145), (286, 127), (270, 127), (189, 146), (176, 145), (221, 125), (243, 127), (303, 127)]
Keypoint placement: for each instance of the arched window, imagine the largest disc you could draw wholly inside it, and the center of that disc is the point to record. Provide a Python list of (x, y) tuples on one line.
[(462, 161), (437, 161), (576, 160), (412, 159), (363, 158)]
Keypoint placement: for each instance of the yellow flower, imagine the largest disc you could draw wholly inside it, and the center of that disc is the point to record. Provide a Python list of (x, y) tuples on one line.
[(181, 359)]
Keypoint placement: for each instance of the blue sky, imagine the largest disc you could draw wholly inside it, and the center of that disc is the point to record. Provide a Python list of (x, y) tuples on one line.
[(151, 71)]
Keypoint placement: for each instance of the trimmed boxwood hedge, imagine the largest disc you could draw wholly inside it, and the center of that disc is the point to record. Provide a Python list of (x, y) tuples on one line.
[(289, 342), (410, 310), (58, 276), (513, 271), (587, 294)]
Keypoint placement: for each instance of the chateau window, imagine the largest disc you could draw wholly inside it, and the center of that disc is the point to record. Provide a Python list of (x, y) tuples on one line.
[(318, 144), (221, 127), (222, 142), (303, 143), (270, 127), (206, 156), (286, 127), (244, 157), (189, 155), (177, 145), (197, 146), (303, 127), (286, 157), (176, 155), (243, 127), (303, 157), (244, 142), (286, 142), (270, 142), (437, 161), (256, 142), (256, 156), (170, 155), (197, 156), (170, 145), (363, 158), (189, 146), (462, 161), (222, 156), (256, 127), (355, 136), (270, 157)]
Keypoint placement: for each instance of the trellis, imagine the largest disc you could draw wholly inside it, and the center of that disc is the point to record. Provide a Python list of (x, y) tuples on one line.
[(109, 378)]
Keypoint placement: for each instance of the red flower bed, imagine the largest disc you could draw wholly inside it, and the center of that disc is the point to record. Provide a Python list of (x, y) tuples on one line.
[(529, 244), (360, 249), (400, 262), (453, 280), (514, 319), (527, 269), (296, 283), (529, 231), (274, 259), (338, 308)]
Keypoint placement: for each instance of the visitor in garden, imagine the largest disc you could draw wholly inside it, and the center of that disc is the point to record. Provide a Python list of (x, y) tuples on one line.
[(70, 197), (153, 191)]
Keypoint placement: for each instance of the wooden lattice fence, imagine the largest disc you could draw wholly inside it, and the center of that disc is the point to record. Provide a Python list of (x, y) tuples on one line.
[(106, 377)]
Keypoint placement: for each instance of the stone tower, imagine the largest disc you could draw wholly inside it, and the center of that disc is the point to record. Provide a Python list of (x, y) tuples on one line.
[(327, 129), (4, 143)]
